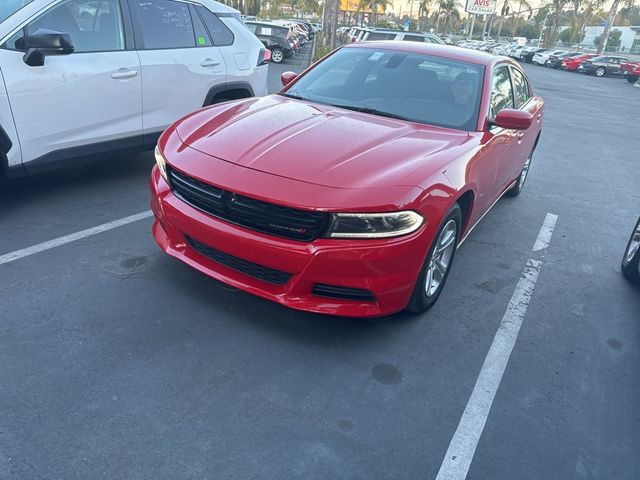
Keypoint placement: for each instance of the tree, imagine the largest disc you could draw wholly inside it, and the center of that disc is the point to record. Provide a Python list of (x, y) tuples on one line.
[(423, 13), (613, 11), (374, 6), (614, 39), (447, 9)]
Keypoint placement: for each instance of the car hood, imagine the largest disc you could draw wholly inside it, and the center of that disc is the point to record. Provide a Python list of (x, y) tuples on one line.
[(319, 144)]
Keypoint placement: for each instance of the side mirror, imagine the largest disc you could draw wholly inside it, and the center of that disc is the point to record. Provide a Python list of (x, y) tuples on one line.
[(43, 43), (287, 77), (512, 119)]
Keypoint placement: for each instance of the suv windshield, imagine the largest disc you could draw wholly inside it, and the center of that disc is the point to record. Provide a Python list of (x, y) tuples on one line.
[(9, 7), (420, 88)]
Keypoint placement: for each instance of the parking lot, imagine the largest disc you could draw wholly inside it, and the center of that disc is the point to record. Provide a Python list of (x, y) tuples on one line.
[(119, 362)]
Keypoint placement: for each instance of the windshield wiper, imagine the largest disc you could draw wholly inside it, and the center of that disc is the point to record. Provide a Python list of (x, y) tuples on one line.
[(372, 111)]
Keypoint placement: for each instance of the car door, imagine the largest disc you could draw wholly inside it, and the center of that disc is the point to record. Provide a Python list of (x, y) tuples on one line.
[(179, 62), (523, 142), (486, 169), (90, 97)]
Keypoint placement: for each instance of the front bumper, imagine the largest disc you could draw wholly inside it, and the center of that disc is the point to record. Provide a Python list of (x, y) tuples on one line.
[(386, 268)]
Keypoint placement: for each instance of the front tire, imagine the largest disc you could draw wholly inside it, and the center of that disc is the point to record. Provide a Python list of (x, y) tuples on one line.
[(631, 259), (436, 268), (600, 71), (632, 78), (277, 55)]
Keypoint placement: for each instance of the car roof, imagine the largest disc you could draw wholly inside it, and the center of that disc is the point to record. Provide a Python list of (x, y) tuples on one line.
[(445, 51)]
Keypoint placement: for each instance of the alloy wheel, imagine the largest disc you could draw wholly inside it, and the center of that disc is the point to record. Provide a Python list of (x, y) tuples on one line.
[(441, 258), (277, 56), (634, 245), (525, 171), (600, 72)]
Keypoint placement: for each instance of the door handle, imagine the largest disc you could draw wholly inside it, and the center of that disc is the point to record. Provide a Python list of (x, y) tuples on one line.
[(124, 74), (210, 63)]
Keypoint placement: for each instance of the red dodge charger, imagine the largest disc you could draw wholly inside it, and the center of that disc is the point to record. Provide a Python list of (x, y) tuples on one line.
[(349, 191)]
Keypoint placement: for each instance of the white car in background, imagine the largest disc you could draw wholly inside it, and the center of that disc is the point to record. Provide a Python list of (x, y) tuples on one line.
[(89, 78), (543, 57)]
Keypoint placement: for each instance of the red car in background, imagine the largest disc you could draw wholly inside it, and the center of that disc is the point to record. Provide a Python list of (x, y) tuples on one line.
[(572, 64), (631, 71), (349, 191)]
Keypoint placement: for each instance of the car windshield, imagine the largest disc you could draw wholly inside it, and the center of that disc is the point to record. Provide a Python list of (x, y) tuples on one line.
[(415, 87), (9, 7)]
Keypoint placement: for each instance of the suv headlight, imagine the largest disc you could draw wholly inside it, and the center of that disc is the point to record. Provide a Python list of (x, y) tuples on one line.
[(161, 162), (374, 225)]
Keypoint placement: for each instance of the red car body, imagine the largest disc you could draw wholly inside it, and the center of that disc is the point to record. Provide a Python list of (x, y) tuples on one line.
[(572, 64), (631, 71), (351, 162)]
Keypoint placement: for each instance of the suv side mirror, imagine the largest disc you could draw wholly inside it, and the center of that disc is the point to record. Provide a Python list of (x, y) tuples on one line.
[(287, 77), (43, 43), (512, 119)]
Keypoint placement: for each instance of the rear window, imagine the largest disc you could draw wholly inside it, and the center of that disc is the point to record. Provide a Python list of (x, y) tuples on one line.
[(219, 32)]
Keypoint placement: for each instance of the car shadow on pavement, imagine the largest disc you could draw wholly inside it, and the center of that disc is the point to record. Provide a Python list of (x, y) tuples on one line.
[(230, 304)]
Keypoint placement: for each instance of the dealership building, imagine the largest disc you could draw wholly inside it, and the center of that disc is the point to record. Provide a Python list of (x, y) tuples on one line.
[(629, 40)]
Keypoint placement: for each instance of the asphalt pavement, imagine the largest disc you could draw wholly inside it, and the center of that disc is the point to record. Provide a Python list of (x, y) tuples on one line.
[(118, 362)]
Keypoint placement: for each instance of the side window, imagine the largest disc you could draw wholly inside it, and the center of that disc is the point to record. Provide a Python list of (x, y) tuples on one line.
[(381, 36), (202, 37), (520, 87), (165, 24), (93, 25), (501, 91), (220, 33), (413, 38)]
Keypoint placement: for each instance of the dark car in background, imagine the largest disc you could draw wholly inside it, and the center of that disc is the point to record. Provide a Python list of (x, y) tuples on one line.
[(276, 38), (527, 55), (603, 65)]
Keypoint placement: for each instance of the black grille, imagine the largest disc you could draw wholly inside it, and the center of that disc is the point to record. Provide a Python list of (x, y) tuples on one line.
[(253, 214), (343, 292), (266, 274)]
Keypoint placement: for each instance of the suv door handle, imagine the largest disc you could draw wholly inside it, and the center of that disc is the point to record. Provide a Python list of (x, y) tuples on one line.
[(210, 63), (121, 75)]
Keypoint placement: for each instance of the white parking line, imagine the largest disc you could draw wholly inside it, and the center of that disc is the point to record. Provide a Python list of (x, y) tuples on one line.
[(457, 460), (56, 242)]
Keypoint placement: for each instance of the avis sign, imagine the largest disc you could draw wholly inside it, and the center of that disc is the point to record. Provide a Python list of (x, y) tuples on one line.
[(482, 7)]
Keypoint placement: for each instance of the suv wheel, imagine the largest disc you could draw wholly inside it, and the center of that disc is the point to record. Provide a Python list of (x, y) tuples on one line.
[(277, 55)]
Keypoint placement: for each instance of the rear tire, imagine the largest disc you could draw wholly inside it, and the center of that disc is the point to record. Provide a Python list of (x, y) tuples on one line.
[(277, 55), (436, 268), (631, 259), (522, 178), (632, 78)]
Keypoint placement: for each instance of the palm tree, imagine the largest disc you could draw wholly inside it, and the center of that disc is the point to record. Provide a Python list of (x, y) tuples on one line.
[(423, 13), (446, 9), (374, 6), (613, 11)]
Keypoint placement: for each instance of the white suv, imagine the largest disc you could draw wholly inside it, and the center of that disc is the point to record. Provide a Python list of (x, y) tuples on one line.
[(82, 78)]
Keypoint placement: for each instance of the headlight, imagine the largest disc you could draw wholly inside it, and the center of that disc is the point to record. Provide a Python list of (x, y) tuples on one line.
[(161, 162), (374, 225)]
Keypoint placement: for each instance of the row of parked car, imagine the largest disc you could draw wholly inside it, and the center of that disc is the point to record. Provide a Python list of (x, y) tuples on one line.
[(366, 34), (283, 38), (572, 61)]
